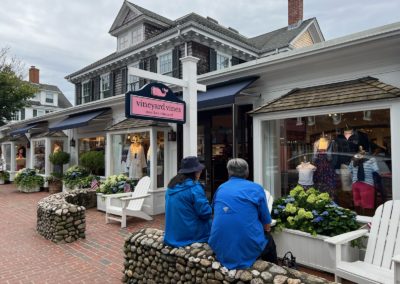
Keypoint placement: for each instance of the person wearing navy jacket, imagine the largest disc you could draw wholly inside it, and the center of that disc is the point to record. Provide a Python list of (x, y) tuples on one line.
[(241, 224), (187, 210)]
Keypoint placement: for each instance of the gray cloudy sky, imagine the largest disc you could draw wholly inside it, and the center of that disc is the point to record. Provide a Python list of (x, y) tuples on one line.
[(62, 36)]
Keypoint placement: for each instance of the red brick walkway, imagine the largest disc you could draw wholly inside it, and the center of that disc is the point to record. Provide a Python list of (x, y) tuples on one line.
[(26, 257)]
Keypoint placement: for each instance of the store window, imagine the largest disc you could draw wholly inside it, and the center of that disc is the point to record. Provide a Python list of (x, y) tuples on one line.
[(130, 153), (347, 155), (7, 156), (39, 159), (20, 159), (91, 144)]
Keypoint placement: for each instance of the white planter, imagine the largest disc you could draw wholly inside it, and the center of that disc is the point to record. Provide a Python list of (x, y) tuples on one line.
[(2, 181), (101, 200), (311, 251), (29, 189), (67, 189)]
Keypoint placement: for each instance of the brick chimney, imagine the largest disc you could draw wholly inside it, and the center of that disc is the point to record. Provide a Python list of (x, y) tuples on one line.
[(295, 11), (34, 75)]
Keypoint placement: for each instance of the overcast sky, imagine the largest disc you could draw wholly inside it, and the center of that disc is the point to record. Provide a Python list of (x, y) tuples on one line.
[(62, 36)]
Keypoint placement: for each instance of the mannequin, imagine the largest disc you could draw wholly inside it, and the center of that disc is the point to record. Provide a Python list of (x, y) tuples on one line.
[(20, 158), (306, 171), (136, 159), (57, 148)]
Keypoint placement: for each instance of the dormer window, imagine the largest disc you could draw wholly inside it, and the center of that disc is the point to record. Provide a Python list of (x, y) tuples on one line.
[(133, 37), (49, 98)]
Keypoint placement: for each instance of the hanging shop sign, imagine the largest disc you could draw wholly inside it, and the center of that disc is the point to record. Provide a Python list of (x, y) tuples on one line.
[(155, 101)]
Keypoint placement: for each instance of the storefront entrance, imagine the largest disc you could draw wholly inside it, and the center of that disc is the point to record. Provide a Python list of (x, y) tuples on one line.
[(221, 135)]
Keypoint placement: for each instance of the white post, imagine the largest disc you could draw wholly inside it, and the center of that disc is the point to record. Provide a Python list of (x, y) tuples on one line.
[(108, 155), (395, 136), (189, 74)]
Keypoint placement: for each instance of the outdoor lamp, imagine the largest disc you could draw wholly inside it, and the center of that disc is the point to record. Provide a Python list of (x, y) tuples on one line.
[(72, 142), (171, 135)]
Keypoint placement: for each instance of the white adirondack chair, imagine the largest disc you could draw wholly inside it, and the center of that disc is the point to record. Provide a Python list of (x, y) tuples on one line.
[(270, 202), (131, 205), (382, 258)]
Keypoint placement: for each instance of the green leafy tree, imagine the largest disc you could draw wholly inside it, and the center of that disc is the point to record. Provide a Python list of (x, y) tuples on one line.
[(14, 92)]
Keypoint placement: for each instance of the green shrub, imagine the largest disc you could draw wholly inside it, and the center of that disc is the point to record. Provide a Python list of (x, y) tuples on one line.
[(4, 175), (28, 178), (93, 161), (76, 176), (312, 212), (59, 158), (116, 184)]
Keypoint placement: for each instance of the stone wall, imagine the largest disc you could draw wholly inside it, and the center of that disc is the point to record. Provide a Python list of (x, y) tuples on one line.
[(148, 260), (61, 216)]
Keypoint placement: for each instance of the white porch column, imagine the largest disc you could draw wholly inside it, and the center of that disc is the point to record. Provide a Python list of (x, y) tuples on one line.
[(257, 148), (109, 155), (395, 136), (13, 164), (189, 74), (47, 151)]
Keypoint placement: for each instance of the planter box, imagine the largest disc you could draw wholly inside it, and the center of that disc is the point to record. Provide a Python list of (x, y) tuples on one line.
[(311, 251), (67, 189), (2, 181), (29, 189), (101, 200)]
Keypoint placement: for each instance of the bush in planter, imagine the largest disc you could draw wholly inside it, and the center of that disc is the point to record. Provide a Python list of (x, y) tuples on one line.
[(77, 177), (55, 182), (116, 184), (58, 159), (312, 212), (28, 180), (93, 161), (4, 176)]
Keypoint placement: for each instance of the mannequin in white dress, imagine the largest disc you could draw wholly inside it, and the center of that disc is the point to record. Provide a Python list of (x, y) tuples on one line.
[(306, 172), (136, 159)]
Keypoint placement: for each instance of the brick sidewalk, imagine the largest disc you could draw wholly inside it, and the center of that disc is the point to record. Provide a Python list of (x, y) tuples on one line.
[(26, 257)]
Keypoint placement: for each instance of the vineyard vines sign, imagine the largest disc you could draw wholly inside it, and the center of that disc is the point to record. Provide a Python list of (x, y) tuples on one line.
[(155, 101)]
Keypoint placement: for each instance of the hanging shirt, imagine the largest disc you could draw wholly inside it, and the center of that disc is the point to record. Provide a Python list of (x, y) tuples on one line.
[(136, 161), (237, 232), (306, 173), (187, 214)]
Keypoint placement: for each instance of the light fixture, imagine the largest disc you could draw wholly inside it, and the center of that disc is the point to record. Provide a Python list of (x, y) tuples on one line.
[(299, 121), (367, 115), (311, 120), (171, 135), (72, 142), (336, 118)]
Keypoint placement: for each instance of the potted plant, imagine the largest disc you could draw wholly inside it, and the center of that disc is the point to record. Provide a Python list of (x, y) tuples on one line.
[(58, 159), (76, 177), (115, 184), (54, 182), (93, 161), (4, 177), (27, 180), (304, 219)]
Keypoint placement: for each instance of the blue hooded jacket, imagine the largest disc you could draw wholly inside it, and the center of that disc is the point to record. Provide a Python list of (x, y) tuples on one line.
[(187, 214)]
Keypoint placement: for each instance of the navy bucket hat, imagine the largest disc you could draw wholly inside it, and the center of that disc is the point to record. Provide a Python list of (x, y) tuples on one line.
[(190, 164)]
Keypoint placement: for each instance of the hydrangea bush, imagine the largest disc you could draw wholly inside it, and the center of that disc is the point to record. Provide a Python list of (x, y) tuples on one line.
[(116, 184), (78, 177), (312, 212), (28, 179)]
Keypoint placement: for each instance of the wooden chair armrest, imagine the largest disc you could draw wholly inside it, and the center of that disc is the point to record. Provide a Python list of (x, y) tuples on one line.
[(118, 195), (137, 197), (346, 237)]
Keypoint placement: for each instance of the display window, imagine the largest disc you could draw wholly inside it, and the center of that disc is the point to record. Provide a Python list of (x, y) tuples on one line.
[(39, 155), (160, 159), (130, 154), (7, 156), (91, 144), (20, 159), (347, 155)]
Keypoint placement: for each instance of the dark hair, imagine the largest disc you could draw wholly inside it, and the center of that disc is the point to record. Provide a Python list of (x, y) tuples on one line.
[(179, 178)]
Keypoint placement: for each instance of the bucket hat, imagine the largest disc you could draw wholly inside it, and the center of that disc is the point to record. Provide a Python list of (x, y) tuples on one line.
[(190, 164)]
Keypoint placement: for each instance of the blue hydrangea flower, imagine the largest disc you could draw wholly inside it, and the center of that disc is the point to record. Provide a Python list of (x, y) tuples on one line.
[(276, 211), (281, 207), (314, 212), (325, 213), (318, 219)]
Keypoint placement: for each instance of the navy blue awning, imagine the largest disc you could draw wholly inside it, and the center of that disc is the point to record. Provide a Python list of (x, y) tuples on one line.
[(77, 120), (22, 130), (222, 94)]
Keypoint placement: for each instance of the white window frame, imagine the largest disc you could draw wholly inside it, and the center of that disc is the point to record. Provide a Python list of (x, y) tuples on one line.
[(104, 87), (124, 41), (133, 81), (84, 100), (229, 58), (136, 35), (160, 57), (52, 97), (16, 116)]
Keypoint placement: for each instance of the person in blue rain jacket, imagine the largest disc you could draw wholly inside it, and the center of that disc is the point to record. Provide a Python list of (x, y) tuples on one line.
[(187, 210), (241, 224)]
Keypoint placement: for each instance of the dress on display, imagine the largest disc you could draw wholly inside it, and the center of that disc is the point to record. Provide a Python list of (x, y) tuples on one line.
[(324, 177), (136, 161)]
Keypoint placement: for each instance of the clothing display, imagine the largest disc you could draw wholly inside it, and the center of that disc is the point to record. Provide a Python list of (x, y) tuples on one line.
[(325, 176), (306, 172), (187, 214), (240, 213), (136, 161)]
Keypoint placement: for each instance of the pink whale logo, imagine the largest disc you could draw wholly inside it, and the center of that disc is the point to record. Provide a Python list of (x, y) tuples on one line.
[(157, 92)]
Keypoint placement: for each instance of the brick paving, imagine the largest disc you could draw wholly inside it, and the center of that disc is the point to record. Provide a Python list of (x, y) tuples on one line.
[(26, 257)]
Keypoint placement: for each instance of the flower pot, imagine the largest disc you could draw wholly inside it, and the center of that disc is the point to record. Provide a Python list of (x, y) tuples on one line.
[(29, 189), (2, 181), (55, 187), (311, 251)]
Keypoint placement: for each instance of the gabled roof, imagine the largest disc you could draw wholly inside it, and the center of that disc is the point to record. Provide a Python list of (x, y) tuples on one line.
[(355, 91), (63, 102), (131, 123), (279, 38)]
